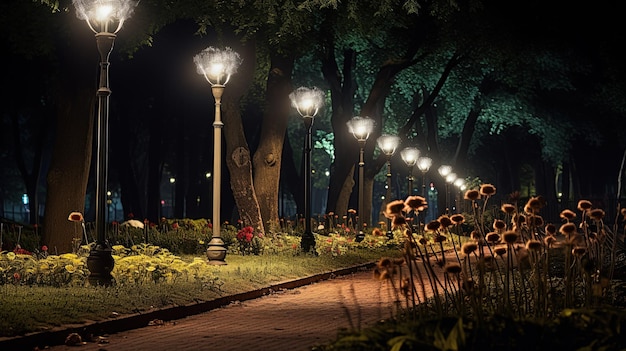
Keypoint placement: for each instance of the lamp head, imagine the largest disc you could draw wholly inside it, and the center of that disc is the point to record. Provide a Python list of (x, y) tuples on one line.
[(102, 14), (444, 170), (424, 163), (217, 65), (388, 143), (360, 127), (410, 155), (450, 178), (307, 101)]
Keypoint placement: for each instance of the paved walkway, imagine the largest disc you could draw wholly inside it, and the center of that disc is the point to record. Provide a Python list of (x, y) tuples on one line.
[(295, 319)]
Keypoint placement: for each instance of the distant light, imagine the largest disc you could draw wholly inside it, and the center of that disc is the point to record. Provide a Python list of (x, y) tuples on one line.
[(25, 199)]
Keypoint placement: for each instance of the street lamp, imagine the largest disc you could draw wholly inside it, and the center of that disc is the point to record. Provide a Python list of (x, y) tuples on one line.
[(172, 181), (424, 163), (361, 127), (409, 156), (450, 178), (100, 17), (307, 102), (460, 184), (217, 66), (388, 144)]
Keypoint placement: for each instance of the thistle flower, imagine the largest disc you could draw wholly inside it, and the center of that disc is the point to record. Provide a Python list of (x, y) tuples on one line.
[(384, 262), (472, 195), (508, 208), (567, 228), (416, 203), (596, 214), (445, 221), (534, 204), (76, 217), (457, 218), (510, 237), (433, 225), (487, 190), (492, 237), (500, 250), (453, 268), (584, 205), (533, 245), (469, 247), (499, 225), (550, 229), (394, 208), (567, 215)]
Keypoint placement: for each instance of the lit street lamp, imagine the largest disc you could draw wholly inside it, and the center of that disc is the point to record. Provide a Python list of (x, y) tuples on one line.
[(388, 144), (100, 17), (307, 102), (424, 163), (173, 190), (361, 127), (409, 156), (217, 66)]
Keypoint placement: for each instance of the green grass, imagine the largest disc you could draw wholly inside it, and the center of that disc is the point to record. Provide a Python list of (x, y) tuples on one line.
[(32, 308)]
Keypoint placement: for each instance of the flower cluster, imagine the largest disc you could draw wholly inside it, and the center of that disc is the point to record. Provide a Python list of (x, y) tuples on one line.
[(245, 234)]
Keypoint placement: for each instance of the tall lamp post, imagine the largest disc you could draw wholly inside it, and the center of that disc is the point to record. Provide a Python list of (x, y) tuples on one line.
[(361, 127), (101, 17), (307, 102), (173, 190), (388, 144), (424, 163), (217, 66), (409, 156)]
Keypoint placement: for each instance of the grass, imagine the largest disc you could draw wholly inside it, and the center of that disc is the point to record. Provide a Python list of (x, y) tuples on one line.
[(35, 308)]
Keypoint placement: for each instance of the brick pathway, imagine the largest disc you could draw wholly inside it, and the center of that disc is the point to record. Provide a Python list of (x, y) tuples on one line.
[(294, 319)]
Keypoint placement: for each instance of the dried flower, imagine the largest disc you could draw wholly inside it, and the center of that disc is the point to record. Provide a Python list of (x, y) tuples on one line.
[(394, 208), (499, 225), (453, 268), (567, 215), (457, 218), (433, 225), (445, 221), (472, 195), (510, 237), (568, 228), (508, 208), (75, 217), (551, 229), (416, 203), (469, 247), (584, 205), (596, 214), (492, 237), (487, 190), (533, 245)]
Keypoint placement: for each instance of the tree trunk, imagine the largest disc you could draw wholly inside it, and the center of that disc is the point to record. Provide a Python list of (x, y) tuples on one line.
[(238, 157), (267, 158), (71, 156)]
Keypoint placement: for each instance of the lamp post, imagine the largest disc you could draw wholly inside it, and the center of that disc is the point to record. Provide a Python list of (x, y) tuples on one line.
[(307, 102), (444, 170), (173, 182), (460, 184), (361, 127), (101, 17), (424, 163), (217, 66), (388, 144), (450, 178), (409, 156)]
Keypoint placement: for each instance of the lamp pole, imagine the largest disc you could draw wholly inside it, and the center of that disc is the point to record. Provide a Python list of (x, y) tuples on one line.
[(361, 127), (409, 156), (424, 163), (173, 190), (444, 170), (100, 16), (388, 144), (307, 102), (217, 66)]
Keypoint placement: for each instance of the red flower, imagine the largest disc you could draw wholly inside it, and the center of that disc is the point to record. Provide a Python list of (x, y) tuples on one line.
[(246, 234), (44, 248), (175, 225)]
